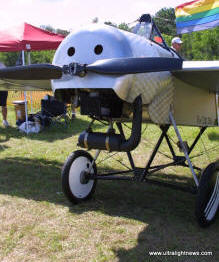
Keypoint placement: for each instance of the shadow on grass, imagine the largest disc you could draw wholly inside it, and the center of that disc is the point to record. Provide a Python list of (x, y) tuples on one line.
[(2, 147), (214, 136), (168, 215), (56, 131)]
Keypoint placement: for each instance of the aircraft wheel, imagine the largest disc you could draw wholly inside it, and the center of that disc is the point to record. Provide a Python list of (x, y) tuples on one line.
[(76, 184), (207, 202)]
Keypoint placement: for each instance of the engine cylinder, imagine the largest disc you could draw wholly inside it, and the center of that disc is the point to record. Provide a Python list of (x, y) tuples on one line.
[(115, 142)]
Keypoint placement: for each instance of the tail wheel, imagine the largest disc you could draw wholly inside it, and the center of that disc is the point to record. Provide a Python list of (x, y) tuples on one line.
[(207, 202), (76, 184)]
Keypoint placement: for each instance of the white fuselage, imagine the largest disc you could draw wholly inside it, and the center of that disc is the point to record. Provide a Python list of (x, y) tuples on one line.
[(116, 44), (159, 90)]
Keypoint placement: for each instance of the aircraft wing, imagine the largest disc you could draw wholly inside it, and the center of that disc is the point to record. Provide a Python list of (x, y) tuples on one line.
[(25, 85), (200, 74)]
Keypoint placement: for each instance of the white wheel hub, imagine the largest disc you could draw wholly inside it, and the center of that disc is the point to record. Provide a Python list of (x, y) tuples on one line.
[(78, 189)]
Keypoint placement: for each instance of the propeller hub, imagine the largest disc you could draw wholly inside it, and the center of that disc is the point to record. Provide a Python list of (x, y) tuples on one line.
[(75, 69)]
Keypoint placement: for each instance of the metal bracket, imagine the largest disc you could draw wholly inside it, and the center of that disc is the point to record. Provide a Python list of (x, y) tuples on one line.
[(172, 120)]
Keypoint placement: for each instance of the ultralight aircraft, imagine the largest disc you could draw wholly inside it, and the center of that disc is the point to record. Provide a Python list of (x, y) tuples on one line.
[(115, 77)]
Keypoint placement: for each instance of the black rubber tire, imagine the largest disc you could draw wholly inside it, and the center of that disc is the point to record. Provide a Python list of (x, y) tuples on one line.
[(205, 190), (74, 197)]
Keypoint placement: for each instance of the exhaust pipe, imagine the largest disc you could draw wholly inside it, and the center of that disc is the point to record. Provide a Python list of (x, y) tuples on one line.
[(115, 142)]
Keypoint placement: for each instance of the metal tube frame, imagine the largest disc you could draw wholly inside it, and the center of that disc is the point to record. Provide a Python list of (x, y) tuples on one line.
[(141, 174)]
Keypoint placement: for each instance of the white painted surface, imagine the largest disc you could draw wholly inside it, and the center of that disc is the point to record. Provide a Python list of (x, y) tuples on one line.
[(116, 44)]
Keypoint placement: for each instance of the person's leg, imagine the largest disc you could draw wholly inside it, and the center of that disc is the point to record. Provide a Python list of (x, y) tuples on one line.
[(4, 116), (4, 112), (73, 116), (3, 104)]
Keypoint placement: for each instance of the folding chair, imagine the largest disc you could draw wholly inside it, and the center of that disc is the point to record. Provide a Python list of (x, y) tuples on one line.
[(52, 111)]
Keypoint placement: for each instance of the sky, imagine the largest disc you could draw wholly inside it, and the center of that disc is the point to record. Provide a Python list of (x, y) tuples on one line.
[(70, 14)]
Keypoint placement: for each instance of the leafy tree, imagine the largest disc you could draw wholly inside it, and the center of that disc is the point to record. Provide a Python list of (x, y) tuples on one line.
[(48, 28), (62, 32), (110, 23), (202, 45), (124, 26), (165, 21), (167, 39), (9, 58), (38, 57)]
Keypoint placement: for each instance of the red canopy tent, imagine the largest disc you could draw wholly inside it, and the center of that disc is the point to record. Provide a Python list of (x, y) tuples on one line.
[(26, 37)]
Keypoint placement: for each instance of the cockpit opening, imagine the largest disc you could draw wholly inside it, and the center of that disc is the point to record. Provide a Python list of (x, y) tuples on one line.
[(146, 27)]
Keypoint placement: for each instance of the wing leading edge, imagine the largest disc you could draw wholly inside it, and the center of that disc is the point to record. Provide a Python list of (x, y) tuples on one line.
[(200, 74)]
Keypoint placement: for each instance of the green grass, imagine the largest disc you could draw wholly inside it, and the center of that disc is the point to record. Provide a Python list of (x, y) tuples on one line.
[(124, 220)]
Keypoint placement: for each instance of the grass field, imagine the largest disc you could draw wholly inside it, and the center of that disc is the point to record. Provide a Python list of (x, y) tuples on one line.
[(123, 222)]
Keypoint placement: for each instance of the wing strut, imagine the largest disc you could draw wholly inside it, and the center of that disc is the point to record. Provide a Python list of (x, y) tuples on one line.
[(172, 120)]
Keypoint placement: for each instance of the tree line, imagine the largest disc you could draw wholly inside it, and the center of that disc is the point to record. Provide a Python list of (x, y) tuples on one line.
[(202, 45)]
